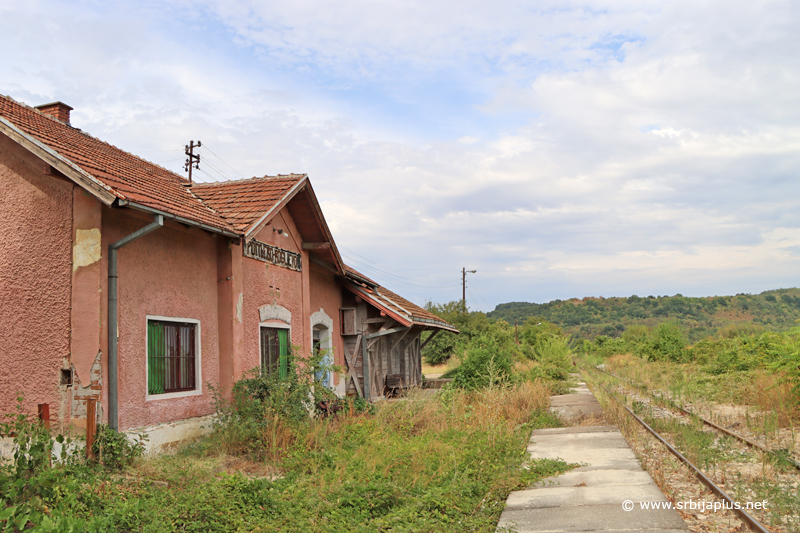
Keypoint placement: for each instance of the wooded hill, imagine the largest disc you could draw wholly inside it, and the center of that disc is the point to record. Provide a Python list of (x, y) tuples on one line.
[(589, 317)]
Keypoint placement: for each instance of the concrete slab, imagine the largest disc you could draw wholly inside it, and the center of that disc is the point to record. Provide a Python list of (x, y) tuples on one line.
[(587, 429), (581, 402), (581, 454), (588, 498), (604, 530), (570, 496), (590, 518), (597, 478), (581, 440)]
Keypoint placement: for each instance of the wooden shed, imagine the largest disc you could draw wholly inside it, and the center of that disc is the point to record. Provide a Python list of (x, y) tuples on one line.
[(381, 333)]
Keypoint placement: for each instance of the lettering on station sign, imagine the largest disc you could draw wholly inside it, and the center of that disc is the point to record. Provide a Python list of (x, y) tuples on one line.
[(273, 255)]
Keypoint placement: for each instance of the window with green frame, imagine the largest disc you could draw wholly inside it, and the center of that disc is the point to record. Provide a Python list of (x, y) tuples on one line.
[(275, 351), (171, 356)]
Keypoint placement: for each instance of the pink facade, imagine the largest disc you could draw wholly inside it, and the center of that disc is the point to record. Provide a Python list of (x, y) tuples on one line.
[(169, 273), (35, 271), (228, 262), (326, 296), (268, 284)]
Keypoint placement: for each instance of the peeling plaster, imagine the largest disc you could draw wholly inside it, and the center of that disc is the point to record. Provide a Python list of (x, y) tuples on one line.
[(239, 305), (87, 248), (82, 392)]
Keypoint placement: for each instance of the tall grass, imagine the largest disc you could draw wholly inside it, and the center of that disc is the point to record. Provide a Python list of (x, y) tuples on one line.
[(421, 464)]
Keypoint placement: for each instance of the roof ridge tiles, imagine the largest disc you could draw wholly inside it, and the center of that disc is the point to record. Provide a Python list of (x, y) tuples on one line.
[(129, 176), (89, 135), (254, 179)]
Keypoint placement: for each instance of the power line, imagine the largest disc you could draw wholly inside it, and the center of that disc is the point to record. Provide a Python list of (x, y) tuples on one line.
[(212, 178), (226, 164), (220, 172), (169, 161), (473, 296), (386, 267), (481, 297), (155, 151), (402, 280)]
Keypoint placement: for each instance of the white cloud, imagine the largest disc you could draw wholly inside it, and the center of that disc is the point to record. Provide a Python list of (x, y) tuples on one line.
[(563, 150)]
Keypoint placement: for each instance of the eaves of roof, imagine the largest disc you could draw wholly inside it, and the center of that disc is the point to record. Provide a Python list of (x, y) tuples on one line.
[(100, 190), (398, 308), (249, 205), (115, 177)]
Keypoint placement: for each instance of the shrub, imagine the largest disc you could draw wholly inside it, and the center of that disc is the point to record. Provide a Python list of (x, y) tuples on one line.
[(116, 450), (667, 343), (485, 364), (264, 409)]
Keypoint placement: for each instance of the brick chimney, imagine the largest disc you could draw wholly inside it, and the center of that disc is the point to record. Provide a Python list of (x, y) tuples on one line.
[(57, 110)]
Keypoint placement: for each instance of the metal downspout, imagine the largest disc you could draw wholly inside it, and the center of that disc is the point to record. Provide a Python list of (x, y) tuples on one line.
[(113, 330)]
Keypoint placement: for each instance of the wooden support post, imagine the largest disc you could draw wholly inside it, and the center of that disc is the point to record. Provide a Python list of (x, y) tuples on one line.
[(91, 427), (44, 414), (429, 339), (351, 366)]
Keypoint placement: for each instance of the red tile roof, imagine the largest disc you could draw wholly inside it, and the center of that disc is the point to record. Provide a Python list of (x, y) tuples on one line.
[(232, 207), (394, 303), (242, 203), (127, 176)]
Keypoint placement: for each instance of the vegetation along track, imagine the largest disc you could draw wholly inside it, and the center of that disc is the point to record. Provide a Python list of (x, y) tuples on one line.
[(691, 445), (665, 401)]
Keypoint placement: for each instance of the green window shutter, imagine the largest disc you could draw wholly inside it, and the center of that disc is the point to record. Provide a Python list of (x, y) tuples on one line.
[(155, 357), (283, 353)]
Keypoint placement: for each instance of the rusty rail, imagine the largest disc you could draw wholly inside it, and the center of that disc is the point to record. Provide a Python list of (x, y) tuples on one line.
[(685, 411), (751, 522)]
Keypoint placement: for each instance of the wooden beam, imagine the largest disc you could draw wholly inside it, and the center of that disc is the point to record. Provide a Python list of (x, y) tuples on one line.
[(398, 341), (315, 246), (99, 189), (429, 339), (384, 332), (374, 320), (351, 367)]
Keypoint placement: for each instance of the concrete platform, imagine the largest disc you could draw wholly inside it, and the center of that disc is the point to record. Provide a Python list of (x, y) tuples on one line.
[(581, 402), (588, 498)]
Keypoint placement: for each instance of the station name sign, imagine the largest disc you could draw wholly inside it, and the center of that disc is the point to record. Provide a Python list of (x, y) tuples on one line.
[(273, 255)]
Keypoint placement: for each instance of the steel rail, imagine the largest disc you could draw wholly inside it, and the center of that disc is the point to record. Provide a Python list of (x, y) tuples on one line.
[(747, 441), (752, 523)]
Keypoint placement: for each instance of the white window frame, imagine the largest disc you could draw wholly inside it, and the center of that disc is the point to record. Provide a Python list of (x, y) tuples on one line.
[(321, 319), (274, 323), (197, 366)]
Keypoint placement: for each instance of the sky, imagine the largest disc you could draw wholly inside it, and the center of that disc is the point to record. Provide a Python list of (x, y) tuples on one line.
[(559, 149)]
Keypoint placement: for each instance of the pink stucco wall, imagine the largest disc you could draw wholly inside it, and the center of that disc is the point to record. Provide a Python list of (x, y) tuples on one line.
[(327, 295), (171, 272), (35, 273), (87, 274), (266, 284)]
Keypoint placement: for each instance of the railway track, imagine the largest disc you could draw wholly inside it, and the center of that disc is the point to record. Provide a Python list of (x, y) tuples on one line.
[(729, 503), (709, 423)]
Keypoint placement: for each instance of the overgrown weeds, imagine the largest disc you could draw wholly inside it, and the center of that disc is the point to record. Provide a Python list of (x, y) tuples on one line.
[(421, 463)]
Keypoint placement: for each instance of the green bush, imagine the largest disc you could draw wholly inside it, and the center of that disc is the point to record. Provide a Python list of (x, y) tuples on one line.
[(485, 364), (114, 449), (667, 343), (263, 405)]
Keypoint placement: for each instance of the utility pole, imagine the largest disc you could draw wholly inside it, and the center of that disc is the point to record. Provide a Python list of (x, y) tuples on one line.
[(191, 158), (464, 273)]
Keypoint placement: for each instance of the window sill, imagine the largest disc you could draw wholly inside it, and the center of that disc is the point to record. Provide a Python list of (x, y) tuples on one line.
[(173, 395)]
